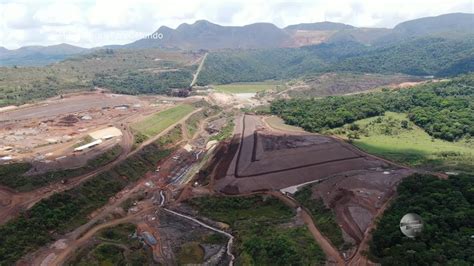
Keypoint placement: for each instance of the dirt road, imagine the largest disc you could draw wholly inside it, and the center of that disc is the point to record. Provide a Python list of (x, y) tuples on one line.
[(49, 255), (61, 258), (244, 132), (332, 254), (55, 106), (359, 258), (198, 71), (23, 201), (162, 133), (229, 236)]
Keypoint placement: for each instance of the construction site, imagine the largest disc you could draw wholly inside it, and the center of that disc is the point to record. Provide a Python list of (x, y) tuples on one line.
[(260, 156), (355, 185), (77, 125), (95, 128), (268, 159)]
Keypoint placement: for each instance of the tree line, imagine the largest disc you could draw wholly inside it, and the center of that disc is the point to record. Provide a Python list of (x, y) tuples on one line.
[(67, 210), (141, 82), (444, 110)]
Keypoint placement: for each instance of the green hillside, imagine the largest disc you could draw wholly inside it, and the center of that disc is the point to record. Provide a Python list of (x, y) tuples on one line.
[(393, 137), (424, 56), (444, 110), (121, 71)]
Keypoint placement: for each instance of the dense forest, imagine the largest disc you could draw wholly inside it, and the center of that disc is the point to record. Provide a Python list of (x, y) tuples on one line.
[(141, 82), (447, 210), (424, 56), (251, 65), (443, 109), (137, 71), (22, 85)]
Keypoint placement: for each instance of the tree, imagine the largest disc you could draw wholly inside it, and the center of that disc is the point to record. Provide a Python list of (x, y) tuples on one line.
[(404, 124)]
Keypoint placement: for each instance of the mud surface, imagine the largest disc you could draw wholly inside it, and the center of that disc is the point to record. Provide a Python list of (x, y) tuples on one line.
[(272, 160)]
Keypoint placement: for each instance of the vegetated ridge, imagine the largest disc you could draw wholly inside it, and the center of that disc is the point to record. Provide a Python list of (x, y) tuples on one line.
[(445, 110)]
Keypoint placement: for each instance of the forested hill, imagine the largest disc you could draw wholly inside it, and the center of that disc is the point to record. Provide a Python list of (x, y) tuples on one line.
[(444, 110), (425, 56), (38, 55), (446, 207)]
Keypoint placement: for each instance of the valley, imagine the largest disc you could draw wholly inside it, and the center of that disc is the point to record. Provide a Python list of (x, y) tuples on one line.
[(241, 145)]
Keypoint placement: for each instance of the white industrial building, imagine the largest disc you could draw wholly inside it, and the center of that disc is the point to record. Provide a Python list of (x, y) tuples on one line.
[(88, 145)]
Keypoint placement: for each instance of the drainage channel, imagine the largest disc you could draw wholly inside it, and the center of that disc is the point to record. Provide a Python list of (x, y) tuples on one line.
[(231, 238)]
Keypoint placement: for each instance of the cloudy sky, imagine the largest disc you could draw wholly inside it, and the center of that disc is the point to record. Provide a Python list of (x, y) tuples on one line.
[(90, 23)]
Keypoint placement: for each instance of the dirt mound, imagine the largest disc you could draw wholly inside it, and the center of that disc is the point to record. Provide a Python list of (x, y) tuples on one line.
[(356, 196), (223, 158), (267, 160), (67, 121)]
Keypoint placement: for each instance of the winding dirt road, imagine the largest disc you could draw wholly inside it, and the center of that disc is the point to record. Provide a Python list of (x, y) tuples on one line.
[(231, 237), (61, 258), (332, 254), (25, 200)]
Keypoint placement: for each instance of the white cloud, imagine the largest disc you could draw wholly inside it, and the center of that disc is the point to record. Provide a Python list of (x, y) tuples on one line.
[(92, 23), (59, 14), (16, 16)]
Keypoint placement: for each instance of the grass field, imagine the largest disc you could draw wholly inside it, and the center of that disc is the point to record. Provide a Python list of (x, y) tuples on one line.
[(247, 87), (51, 217), (156, 123), (192, 123), (384, 136)]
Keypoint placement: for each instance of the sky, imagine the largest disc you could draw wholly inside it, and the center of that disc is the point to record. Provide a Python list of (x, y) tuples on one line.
[(92, 23)]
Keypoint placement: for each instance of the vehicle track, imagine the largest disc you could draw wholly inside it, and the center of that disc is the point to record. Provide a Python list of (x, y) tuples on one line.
[(195, 76), (332, 254), (23, 201), (357, 258), (231, 238), (61, 258)]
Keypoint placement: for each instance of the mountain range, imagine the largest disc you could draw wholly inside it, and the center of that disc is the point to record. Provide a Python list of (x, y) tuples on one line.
[(39, 55), (206, 35), (209, 36)]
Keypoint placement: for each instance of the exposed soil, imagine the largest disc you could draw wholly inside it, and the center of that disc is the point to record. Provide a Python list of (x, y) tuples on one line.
[(357, 196), (49, 131), (268, 160), (258, 159), (354, 184), (18, 202)]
